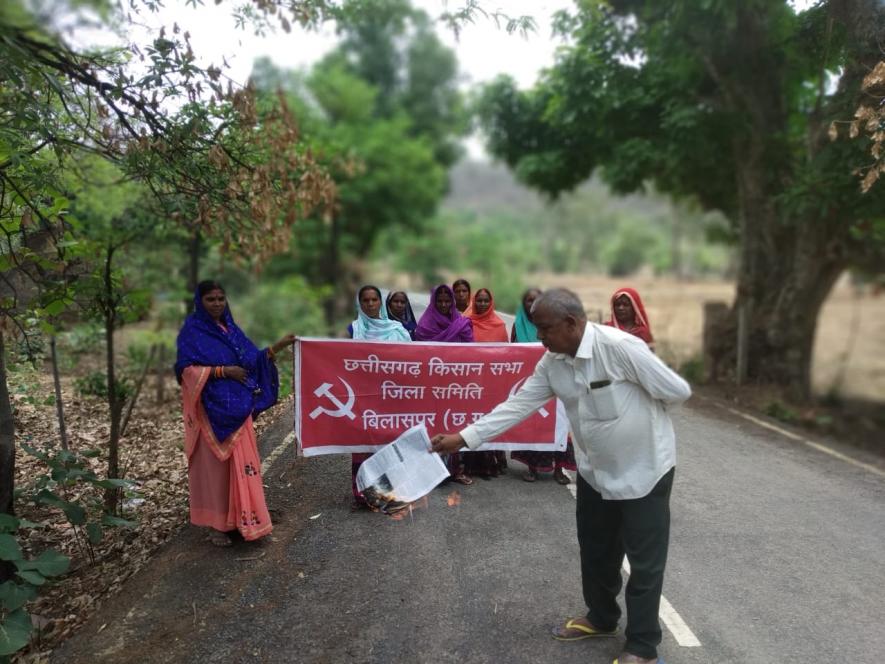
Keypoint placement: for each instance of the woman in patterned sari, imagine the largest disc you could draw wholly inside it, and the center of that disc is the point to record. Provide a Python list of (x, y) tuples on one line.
[(371, 324), (225, 383), (524, 331)]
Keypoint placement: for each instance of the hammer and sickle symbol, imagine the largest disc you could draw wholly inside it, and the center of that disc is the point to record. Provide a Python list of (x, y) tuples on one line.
[(342, 409), (513, 390)]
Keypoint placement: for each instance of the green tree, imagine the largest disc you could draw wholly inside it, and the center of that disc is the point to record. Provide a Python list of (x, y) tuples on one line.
[(382, 113), (109, 215), (394, 48), (728, 103), (196, 146)]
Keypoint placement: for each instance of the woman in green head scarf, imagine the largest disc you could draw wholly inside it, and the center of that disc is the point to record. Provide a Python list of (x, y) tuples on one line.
[(371, 324), (524, 331)]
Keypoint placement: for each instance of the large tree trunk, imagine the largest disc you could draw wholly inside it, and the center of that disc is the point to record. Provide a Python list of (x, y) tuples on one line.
[(788, 265), (804, 260)]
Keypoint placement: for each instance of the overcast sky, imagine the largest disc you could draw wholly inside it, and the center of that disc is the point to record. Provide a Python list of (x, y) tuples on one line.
[(484, 50)]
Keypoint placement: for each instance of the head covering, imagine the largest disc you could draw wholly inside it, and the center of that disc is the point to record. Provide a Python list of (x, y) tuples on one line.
[(487, 326), (640, 327), (377, 329), (462, 282), (228, 403), (524, 328), (407, 320), (435, 326)]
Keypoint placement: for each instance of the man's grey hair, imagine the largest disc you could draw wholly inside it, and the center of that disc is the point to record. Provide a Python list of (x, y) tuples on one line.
[(561, 302)]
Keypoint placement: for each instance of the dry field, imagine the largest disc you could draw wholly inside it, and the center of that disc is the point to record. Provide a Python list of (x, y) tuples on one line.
[(850, 337)]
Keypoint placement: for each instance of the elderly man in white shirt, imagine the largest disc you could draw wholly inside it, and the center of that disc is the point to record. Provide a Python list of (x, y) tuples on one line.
[(616, 393)]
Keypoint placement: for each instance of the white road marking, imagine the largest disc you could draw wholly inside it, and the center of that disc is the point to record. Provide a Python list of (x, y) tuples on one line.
[(674, 622), (277, 451), (812, 444)]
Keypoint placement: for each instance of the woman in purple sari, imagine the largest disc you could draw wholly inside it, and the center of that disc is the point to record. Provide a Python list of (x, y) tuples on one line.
[(441, 321), (226, 382)]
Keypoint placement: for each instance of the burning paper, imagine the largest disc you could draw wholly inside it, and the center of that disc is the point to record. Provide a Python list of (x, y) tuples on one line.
[(401, 472)]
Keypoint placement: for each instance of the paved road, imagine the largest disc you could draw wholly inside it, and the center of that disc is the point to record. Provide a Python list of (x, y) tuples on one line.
[(776, 556)]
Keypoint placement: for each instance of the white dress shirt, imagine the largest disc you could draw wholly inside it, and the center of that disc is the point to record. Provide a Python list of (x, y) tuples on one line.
[(622, 431)]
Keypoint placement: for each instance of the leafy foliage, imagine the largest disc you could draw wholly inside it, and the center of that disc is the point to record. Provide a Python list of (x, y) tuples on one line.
[(499, 232), (728, 104), (66, 475), (382, 113)]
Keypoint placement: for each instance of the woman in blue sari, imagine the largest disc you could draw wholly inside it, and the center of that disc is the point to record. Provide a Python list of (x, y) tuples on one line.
[(371, 324), (226, 382)]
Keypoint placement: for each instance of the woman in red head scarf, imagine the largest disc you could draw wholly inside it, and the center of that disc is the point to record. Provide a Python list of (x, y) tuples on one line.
[(628, 314)]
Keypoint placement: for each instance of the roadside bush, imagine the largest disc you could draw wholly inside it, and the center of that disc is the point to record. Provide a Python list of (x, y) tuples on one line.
[(70, 487), (693, 370), (780, 411), (273, 309), (95, 384), (83, 339)]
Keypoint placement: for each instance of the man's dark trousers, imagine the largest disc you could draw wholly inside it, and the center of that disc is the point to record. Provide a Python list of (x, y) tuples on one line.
[(639, 528)]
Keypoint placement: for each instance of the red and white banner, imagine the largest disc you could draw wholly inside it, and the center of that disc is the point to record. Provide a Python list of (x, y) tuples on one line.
[(356, 396)]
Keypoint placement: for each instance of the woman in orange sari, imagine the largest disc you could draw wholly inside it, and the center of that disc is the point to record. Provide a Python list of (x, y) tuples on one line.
[(487, 324), (225, 383), (489, 328)]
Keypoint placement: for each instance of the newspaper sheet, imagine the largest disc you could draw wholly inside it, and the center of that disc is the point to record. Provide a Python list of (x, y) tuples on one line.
[(401, 472)]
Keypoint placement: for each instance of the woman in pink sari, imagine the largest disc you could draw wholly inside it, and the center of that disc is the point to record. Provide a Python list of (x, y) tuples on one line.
[(225, 383)]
